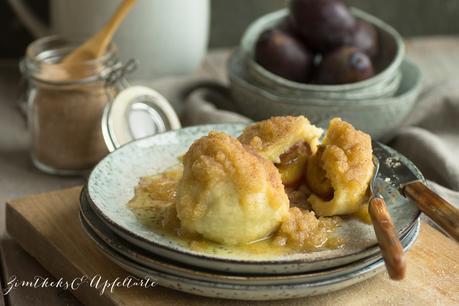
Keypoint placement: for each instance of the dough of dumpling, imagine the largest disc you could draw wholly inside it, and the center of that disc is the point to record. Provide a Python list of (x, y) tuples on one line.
[(344, 161), (228, 193), (272, 137)]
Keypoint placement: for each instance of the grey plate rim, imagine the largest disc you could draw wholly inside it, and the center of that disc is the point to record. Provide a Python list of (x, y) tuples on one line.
[(371, 250), (305, 289), (134, 253)]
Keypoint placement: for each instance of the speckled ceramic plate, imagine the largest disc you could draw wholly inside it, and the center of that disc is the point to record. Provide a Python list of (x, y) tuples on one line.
[(111, 186), (245, 287), (142, 257)]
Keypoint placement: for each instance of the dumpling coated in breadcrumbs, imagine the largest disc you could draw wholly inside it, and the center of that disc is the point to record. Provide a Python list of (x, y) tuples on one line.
[(228, 193), (343, 167)]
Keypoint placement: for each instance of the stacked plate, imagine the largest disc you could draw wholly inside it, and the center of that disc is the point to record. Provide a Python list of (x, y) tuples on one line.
[(222, 273)]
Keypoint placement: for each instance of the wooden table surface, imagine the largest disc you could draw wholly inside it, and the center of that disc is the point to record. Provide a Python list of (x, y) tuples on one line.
[(438, 57)]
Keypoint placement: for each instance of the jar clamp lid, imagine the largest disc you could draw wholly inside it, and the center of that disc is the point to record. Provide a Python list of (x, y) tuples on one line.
[(136, 112)]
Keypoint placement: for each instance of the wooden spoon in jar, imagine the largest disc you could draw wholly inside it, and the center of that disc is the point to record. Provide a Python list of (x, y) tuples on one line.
[(97, 45), (73, 67)]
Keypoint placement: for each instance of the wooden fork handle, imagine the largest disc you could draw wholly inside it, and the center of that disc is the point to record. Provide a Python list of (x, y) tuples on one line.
[(391, 248), (434, 206)]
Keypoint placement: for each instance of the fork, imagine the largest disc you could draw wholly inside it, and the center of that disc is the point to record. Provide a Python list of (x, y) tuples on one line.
[(391, 248)]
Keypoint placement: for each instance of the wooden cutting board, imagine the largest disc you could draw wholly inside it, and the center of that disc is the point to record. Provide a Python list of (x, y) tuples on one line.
[(48, 227)]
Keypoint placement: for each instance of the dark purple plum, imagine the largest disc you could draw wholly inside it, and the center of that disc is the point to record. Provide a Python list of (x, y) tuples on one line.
[(365, 38), (284, 55), (324, 25), (287, 25), (342, 66)]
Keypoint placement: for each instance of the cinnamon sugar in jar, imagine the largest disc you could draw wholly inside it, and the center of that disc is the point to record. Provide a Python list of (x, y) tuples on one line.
[(64, 111)]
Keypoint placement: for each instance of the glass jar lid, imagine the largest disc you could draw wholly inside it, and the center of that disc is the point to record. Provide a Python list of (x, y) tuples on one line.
[(136, 112)]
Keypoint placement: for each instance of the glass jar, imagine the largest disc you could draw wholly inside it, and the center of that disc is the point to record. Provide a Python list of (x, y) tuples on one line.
[(65, 104)]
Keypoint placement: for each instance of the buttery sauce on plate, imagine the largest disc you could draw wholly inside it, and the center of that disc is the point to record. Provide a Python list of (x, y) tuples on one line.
[(154, 206)]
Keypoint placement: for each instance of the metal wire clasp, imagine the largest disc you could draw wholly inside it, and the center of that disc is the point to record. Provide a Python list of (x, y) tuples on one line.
[(117, 75)]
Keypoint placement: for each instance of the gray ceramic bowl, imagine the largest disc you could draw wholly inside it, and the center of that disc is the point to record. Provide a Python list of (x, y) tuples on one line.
[(383, 84), (378, 117)]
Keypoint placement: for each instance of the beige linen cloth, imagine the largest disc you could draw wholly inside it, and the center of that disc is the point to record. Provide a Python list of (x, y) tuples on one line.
[(430, 137)]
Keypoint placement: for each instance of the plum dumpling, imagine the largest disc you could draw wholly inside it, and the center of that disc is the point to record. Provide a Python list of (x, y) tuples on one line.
[(340, 172), (286, 141), (229, 193)]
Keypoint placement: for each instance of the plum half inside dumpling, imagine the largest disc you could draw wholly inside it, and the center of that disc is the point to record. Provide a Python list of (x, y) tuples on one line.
[(286, 141), (340, 172)]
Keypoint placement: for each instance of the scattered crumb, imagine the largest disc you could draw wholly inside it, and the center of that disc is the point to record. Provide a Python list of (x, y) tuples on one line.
[(393, 162)]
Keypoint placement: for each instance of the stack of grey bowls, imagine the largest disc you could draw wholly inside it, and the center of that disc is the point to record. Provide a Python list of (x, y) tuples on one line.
[(377, 105)]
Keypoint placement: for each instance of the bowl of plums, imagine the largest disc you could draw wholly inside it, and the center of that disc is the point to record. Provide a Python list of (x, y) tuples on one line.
[(322, 58)]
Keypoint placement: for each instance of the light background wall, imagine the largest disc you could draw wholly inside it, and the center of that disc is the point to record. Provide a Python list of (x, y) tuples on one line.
[(231, 17), (410, 17)]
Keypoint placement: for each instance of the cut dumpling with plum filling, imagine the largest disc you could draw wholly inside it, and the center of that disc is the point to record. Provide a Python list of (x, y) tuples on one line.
[(228, 193), (340, 172), (286, 141)]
